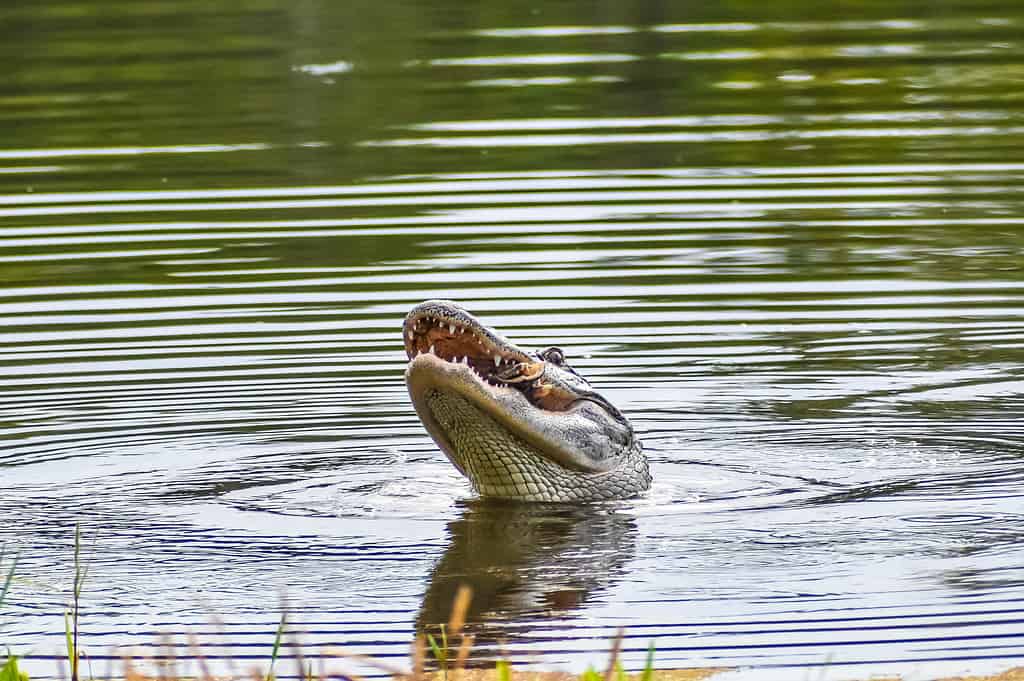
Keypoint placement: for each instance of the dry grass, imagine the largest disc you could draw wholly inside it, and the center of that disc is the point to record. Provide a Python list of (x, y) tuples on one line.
[(1015, 674), (663, 675)]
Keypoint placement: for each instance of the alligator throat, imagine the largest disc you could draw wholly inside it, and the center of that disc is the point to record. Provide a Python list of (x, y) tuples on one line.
[(517, 424)]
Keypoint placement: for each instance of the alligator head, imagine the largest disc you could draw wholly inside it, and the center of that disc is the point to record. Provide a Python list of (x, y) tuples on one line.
[(519, 425)]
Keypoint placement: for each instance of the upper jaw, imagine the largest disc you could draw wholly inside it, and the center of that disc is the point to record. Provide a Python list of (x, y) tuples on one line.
[(444, 329)]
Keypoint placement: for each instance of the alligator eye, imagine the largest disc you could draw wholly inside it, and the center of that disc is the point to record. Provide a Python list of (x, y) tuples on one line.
[(553, 355)]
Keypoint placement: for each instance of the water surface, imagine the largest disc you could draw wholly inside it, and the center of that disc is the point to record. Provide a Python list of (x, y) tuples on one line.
[(786, 240)]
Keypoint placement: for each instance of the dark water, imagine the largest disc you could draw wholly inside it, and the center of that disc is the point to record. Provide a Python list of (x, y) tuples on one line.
[(786, 238)]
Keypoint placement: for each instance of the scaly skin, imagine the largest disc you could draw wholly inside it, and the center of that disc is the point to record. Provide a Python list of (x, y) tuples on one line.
[(519, 425)]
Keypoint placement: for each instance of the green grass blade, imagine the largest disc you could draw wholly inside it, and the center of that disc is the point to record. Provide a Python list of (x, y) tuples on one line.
[(277, 647), (648, 672), (69, 640), (10, 671), (80, 572), (440, 654), (503, 670), (10, 578)]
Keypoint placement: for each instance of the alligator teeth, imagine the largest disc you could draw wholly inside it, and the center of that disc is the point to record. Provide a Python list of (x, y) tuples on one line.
[(411, 335), (497, 360), (451, 329), (431, 350)]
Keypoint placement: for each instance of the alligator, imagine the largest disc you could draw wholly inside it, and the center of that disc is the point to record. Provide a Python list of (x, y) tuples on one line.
[(518, 424)]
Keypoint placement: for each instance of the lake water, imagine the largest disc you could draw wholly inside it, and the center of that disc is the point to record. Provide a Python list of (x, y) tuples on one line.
[(787, 239)]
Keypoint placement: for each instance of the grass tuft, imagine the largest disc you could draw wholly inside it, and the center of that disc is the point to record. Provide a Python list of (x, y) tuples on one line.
[(441, 649), (10, 671)]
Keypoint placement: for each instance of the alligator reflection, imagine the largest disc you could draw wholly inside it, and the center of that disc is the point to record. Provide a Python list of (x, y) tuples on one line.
[(525, 563)]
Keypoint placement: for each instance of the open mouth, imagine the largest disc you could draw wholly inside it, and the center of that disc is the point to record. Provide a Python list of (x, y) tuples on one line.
[(459, 339), (463, 376)]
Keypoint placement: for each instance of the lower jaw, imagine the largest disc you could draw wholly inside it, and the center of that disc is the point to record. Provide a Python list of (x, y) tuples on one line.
[(500, 465)]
